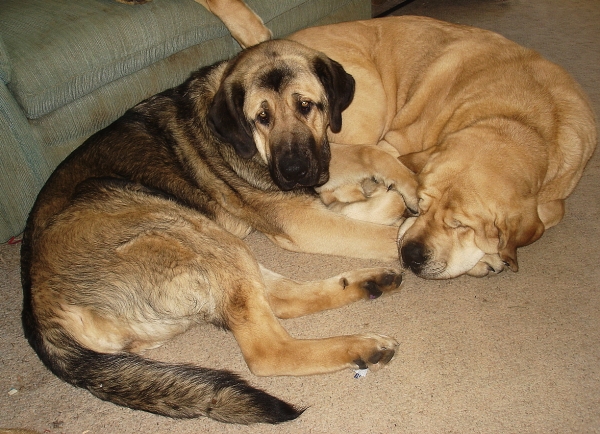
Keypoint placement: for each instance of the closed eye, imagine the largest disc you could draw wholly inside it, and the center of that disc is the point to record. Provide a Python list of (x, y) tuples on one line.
[(456, 224)]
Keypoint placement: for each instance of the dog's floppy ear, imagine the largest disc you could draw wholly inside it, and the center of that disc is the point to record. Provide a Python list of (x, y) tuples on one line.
[(339, 87), (516, 231), (227, 120), (417, 160)]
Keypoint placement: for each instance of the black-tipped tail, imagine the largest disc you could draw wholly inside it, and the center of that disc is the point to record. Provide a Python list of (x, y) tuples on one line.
[(178, 391)]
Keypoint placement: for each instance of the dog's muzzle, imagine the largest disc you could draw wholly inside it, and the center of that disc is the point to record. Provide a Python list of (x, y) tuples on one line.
[(412, 254), (301, 166), (294, 168)]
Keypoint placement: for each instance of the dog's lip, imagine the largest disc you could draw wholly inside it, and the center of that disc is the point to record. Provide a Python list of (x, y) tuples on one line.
[(312, 182), (287, 186)]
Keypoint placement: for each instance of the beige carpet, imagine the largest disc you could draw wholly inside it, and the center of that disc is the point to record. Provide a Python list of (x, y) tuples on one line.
[(516, 353)]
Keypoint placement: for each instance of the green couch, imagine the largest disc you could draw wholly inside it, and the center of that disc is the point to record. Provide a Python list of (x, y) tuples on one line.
[(70, 67)]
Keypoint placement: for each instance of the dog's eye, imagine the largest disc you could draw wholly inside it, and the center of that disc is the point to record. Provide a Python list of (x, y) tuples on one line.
[(263, 118), (305, 107), (455, 224)]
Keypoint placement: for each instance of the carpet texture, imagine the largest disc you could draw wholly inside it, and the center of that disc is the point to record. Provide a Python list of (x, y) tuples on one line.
[(515, 353)]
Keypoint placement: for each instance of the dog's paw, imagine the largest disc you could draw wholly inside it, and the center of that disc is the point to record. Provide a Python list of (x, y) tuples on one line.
[(406, 187), (372, 283), (374, 351), (489, 265)]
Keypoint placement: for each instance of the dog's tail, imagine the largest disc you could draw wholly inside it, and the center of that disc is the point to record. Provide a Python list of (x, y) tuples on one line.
[(178, 391)]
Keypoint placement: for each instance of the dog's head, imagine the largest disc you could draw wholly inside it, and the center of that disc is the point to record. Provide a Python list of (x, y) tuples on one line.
[(475, 208), (279, 98)]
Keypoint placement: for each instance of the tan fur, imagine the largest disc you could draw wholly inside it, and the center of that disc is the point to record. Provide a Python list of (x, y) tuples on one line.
[(497, 135), (367, 183), (244, 24), (137, 236)]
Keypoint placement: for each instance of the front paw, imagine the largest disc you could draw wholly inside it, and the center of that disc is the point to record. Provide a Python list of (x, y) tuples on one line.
[(371, 283), (375, 351), (489, 265)]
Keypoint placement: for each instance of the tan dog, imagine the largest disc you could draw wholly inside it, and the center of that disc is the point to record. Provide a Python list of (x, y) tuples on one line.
[(497, 135), (242, 22), (136, 237)]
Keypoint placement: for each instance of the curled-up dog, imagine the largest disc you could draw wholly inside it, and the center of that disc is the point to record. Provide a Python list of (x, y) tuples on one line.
[(137, 236), (497, 136)]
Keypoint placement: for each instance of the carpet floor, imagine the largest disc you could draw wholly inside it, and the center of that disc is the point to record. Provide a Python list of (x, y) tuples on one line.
[(515, 353)]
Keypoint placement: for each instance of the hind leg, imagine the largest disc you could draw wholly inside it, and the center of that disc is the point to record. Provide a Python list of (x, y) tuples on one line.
[(155, 268), (242, 22), (269, 350)]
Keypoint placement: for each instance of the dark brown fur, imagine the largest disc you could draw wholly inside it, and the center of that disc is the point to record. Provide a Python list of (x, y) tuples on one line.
[(136, 236)]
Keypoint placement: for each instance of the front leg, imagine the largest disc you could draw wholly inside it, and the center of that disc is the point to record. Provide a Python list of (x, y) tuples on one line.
[(368, 201), (308, 226), (290, 298)]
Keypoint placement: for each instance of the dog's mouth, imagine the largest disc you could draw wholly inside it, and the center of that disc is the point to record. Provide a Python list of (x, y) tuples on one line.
[(301, 181), (408, 252), (422, 260), (416, 257)]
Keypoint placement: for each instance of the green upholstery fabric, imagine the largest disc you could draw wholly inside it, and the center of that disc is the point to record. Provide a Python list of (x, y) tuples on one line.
[(5, 68), (63, 50), (69, 68), (23, 169)]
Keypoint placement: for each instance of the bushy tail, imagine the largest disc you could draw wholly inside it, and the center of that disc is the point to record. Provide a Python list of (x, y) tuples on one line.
[(179, 391)]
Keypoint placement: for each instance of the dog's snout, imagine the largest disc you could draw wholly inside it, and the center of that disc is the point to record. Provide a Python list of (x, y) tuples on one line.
[(293, 167), (414, 256), (298, 158)]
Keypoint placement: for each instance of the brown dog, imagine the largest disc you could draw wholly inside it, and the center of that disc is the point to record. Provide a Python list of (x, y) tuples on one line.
[(497, 135), (136, 237)]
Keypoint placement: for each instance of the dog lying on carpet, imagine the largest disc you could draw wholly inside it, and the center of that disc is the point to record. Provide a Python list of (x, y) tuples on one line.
[(136, 236), (498, 137)]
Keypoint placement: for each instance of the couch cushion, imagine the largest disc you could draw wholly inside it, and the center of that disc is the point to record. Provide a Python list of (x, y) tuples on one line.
[(61, 50), (4, 63), (67, 126), (63, 129)]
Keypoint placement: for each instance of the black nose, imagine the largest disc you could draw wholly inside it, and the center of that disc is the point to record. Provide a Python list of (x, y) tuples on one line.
[(414, 256), (293, 167)]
